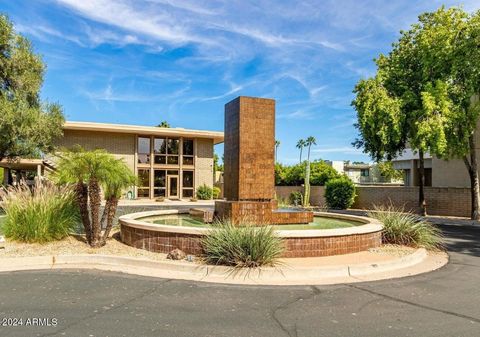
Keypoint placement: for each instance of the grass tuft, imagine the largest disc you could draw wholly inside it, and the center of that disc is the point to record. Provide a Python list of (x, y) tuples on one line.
[(406, 228), (243, 245), (44, 213)]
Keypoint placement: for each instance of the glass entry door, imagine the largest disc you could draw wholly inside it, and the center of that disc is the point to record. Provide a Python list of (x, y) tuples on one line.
[(172, 187)]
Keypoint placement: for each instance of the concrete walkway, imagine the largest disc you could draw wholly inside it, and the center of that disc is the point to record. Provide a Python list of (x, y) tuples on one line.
[(91, 303)]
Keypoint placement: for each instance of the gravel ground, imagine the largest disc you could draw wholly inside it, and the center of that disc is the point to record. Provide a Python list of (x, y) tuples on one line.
[(74, 245)]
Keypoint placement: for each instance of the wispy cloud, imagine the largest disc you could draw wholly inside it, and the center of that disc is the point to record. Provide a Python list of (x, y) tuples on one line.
[(342, 149)]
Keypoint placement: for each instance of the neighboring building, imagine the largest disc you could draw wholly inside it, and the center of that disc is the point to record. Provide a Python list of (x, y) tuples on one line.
[(169, 162), (361, 173), (438, 172), (358, 173)]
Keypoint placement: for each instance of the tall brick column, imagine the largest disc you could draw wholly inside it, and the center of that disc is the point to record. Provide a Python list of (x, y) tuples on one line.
[(249, 164)]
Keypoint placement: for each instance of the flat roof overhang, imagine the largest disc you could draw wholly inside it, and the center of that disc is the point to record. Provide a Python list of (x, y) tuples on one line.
[(21, 164), (217, 136)]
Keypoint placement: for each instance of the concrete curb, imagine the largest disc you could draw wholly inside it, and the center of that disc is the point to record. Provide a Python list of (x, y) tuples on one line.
[(182, 270)]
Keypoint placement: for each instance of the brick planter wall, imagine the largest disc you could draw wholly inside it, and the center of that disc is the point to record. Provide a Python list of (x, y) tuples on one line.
[(164, 242)]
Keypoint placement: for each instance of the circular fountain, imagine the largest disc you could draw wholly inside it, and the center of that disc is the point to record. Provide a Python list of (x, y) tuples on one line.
[(249, 190), (164, 230)]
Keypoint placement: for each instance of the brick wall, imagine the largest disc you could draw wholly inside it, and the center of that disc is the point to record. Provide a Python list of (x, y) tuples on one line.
[(450, 201), (120, 145), (204, 162), (440, 200)]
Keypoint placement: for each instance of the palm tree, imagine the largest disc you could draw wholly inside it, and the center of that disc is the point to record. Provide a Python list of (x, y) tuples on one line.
[(306, 199), (309, 142), (300, 145), (277, 144), (164, 124), (92, 171)]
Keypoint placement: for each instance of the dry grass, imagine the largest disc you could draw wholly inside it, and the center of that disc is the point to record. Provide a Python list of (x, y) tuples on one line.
[(393, 250), (75, 245)]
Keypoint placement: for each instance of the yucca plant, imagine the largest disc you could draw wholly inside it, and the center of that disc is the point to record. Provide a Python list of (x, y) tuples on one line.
[(242, 245), (44, 213), (406, 228)]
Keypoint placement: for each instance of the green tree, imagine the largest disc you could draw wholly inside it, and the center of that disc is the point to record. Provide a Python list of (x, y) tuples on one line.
[(388, 172), (308, 143), (321, 173), (407, 101), (28, 126), (300, 145), (164, 124), (91, 172)]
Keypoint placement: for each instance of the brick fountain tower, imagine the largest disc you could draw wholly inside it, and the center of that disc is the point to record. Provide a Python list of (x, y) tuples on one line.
[(249, 164)]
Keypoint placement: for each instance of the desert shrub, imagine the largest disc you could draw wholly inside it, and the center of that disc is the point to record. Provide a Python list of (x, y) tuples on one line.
[(340, 193), (45, 213), (296, 198), (405, 228), (204, 192), (244, 245), (216, 192)]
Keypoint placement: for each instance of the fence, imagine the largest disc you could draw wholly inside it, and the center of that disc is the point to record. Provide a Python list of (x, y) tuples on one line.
[(450, 201)]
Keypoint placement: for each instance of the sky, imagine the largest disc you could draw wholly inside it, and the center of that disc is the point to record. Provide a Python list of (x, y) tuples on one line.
[(142, 62)]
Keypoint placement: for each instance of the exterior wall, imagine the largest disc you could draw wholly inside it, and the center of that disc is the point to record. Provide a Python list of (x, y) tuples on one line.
[(316, 194), (449, 201), (452, 173), (120, 145), (204, 162), (440, 201)]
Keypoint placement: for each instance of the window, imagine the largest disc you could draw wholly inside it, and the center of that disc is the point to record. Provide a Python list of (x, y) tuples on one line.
[(144, 183), (159, 183), (172, 151), (187, 191), (365, 172), (143, 150), (160, 150), (188, 152)]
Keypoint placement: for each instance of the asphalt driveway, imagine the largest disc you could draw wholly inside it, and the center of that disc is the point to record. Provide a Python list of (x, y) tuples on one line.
[(96, 303)]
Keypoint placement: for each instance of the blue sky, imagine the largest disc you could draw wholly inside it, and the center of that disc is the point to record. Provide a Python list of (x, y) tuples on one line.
[(141, 62)]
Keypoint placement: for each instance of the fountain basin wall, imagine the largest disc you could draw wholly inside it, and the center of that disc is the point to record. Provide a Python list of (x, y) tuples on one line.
[(298, 243)]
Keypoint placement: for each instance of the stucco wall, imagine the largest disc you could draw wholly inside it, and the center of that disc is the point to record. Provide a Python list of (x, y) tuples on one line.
[(120, 145), (204, 162)]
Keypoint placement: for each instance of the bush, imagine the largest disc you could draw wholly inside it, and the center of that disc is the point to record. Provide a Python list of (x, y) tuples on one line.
[(405, 228), (296, 198), (44, 214), (204, 192), (340, 193), (216, 192), (242, 246)]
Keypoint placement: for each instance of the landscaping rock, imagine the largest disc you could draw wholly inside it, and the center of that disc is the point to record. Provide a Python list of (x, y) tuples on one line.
[(176, 254)]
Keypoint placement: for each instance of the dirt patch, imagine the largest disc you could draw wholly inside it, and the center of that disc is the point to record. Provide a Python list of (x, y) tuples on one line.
[(393, 250), (75, 245)]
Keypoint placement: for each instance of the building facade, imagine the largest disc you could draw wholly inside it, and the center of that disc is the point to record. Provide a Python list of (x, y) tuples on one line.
[(169, 162)]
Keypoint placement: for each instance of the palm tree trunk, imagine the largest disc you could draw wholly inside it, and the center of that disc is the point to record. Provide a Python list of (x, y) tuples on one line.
[(94, 195), (472, 168), (301, 150), (81, 196), (421, 193), (112, 204)]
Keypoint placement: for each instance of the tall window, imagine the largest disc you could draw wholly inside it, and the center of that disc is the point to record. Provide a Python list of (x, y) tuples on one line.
[(172, 151), (159, 183), (160, 150), (143, 150), (187, 190), (188, 152), (143, 183)]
